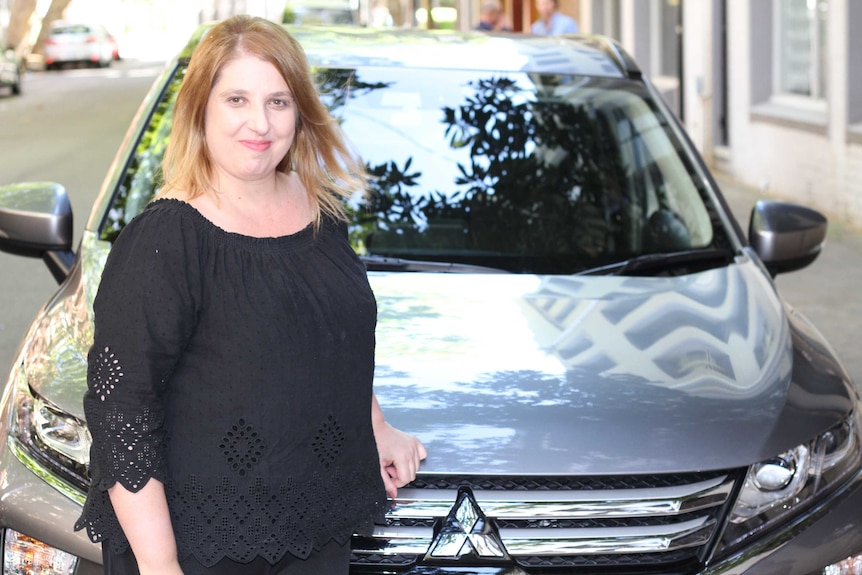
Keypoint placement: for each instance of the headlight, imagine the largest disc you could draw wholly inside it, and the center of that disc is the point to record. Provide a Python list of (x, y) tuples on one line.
[(24, 555), (850, 566), (53, 444), (779, 489)]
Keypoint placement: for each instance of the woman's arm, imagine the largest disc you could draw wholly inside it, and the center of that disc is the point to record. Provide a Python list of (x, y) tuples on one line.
[(145, 520), (400, 453)]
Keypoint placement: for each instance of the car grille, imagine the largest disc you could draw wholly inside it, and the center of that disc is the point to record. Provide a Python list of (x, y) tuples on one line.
[(642, 524)]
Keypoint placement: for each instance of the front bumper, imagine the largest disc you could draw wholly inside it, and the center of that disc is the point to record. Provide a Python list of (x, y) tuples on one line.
[(32, 507), (827, 535)]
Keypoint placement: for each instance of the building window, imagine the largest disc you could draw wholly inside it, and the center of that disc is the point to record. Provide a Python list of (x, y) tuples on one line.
[(801, 48)]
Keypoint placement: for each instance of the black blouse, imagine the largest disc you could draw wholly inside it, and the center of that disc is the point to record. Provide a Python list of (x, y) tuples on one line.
[(238, 371)]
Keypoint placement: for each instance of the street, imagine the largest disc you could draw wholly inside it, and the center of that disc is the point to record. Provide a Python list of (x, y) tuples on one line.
[(66, 127)]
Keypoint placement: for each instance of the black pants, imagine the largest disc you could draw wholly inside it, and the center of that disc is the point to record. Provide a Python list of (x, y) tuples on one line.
[(331, 559)]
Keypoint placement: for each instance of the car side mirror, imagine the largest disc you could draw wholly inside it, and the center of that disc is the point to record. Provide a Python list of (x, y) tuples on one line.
[(786, 236), (36, 221)]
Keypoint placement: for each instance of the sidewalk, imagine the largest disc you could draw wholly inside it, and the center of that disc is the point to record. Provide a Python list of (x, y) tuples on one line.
[(828, 291)]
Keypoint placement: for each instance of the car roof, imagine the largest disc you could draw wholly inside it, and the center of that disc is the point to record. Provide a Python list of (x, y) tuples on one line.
[(350, 46)]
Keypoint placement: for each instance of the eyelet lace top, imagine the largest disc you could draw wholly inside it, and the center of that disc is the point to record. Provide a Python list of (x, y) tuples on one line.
[(238, 371)]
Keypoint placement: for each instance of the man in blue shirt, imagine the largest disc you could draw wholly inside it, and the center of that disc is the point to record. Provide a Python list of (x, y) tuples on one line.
[(552, 22)]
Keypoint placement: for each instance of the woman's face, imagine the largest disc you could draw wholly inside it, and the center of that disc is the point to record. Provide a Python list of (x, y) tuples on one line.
[(250, 119)]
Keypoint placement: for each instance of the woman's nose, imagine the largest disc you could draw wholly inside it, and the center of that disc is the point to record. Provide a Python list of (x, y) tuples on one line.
[(258, 119)]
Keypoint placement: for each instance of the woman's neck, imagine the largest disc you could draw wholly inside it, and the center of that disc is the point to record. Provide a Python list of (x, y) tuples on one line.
[(269, 208)]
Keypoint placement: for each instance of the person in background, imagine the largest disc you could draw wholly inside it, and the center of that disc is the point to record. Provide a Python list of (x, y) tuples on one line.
[(492, 18), (381, 17), (230, 400), (551, 21)]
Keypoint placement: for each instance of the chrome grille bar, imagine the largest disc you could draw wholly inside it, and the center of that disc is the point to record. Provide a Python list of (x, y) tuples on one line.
[(654, 502), (607, 540), (549, 541), (645, 520), (399, 541)]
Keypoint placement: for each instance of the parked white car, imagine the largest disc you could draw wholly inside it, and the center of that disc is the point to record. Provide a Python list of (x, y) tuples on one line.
[(78, 43)]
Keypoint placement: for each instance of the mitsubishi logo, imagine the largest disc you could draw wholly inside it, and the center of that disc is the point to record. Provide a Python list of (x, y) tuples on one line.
[(466, 531)]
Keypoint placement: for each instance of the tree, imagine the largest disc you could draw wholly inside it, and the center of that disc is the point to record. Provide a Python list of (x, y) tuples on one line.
[(21, 12), (56, 11)]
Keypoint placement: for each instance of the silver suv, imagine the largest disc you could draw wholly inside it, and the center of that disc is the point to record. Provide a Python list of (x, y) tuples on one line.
[(570, 319)]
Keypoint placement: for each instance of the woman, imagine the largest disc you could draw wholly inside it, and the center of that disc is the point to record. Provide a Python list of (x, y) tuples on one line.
[(230, 398)]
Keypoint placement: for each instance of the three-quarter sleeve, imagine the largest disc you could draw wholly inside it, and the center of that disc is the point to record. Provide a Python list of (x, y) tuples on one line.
[(144, 315), (234, 369)]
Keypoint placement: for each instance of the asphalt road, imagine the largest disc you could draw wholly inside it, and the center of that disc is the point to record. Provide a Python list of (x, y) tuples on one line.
[(67, 126)]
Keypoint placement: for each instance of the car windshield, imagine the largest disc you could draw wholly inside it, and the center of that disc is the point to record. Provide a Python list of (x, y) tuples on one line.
[(521, 172)]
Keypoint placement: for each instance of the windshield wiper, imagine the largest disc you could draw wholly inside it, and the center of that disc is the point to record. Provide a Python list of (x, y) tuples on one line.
[(687, 261), (387, 264)]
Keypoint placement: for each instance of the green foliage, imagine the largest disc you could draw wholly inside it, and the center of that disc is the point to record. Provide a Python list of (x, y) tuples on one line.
[(337, 85), (541, 181), (143, 175)]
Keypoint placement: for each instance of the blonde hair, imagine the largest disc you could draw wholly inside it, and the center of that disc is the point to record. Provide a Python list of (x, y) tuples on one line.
[(319, 153)]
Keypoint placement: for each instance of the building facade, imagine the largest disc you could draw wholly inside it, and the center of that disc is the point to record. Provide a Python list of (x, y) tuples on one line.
[(769, 90)]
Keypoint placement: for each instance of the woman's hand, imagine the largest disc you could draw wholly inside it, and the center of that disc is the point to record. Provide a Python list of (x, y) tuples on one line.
[(400, 453)]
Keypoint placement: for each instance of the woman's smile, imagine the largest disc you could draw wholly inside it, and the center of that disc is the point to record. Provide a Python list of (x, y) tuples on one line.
[(256, 145)]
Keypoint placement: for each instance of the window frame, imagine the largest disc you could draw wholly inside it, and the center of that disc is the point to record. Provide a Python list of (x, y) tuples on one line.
[(815, 100)]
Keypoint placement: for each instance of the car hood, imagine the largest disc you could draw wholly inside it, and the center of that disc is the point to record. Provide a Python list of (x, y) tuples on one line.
[(550, 375), (515, 374)]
